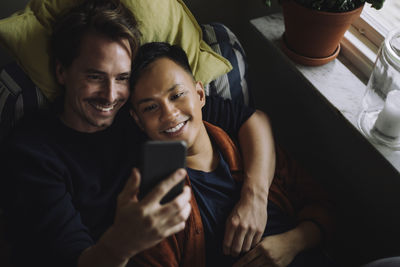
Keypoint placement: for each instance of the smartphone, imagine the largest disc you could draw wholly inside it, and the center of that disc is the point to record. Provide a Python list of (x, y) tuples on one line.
[(159, 160)]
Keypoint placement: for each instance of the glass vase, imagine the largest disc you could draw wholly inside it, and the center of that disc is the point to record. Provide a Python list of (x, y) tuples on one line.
[(379, 119)]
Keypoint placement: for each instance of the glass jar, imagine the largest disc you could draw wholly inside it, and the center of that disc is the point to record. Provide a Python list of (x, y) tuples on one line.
[(379, 119)]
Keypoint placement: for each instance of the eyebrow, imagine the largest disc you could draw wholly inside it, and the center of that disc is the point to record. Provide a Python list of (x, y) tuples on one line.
[(173, 87), (104, 73), (94, 71)]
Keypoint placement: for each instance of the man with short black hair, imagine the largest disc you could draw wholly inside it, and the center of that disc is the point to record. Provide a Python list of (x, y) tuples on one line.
[(166, 104)]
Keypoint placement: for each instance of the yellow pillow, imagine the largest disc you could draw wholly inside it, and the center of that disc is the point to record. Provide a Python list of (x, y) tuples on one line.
[(25, 35)]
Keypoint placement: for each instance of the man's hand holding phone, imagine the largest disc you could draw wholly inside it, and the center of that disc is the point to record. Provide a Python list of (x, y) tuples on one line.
[(139, 225)]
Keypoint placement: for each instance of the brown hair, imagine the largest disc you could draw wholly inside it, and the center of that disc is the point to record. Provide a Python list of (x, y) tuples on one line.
[(106, 17)]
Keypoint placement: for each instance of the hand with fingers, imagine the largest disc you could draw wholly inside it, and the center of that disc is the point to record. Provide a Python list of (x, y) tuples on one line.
[(280, 250), (272, 251), (139, 225), (245, 226)]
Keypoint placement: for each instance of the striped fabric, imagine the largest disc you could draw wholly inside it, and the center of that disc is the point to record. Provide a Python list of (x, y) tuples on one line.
[(19, 95), (232, 85)]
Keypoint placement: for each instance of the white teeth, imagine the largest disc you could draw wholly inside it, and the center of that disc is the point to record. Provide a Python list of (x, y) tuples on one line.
[(103, 108), (176, 128)]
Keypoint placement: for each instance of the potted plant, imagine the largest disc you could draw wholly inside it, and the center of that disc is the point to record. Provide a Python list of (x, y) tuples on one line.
[(314, 28)]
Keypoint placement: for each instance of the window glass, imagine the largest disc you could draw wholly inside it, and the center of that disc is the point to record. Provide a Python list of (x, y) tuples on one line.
[(388, 16)]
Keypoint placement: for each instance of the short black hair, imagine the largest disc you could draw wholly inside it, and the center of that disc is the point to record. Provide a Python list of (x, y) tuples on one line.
[(150, 52)]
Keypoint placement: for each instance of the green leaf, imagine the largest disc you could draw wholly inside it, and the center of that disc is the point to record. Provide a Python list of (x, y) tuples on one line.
[(377, 4), (335, 5)]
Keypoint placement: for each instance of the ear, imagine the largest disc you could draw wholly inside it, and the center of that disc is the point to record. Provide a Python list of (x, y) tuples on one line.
[(136, 118), (60, 73), (200, 92)]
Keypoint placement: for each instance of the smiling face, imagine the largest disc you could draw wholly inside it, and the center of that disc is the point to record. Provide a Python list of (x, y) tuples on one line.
[(96, 83), (167, 103)]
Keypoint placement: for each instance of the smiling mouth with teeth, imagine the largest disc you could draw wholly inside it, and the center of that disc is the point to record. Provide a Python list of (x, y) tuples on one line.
[(176, 128), (103, 108)]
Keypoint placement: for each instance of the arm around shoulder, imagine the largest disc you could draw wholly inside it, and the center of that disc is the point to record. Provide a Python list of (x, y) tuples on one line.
[(258, 151), (247, 221)]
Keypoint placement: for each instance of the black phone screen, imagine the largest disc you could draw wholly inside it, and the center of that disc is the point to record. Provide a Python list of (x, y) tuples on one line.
[(159, 160)]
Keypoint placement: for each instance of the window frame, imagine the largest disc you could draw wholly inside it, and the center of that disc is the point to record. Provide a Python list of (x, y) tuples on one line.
[(376, 33), (360, 44)]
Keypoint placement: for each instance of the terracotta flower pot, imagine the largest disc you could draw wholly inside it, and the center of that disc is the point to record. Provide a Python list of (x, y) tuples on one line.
[(315, 34)]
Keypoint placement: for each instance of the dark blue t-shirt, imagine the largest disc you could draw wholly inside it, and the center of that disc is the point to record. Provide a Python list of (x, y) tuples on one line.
[(216, 194)]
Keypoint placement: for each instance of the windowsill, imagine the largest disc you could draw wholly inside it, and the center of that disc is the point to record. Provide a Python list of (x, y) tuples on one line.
[(338, 82)]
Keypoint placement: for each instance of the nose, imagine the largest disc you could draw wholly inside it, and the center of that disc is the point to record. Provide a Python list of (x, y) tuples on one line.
[(109, 91), (169, 112)]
